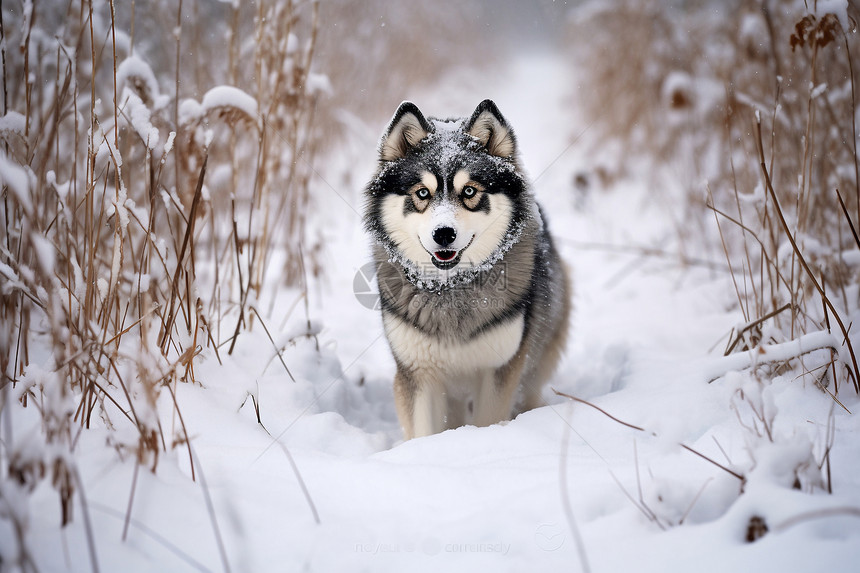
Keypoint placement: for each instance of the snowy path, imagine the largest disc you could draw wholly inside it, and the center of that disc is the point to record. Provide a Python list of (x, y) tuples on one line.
[(488, 499)]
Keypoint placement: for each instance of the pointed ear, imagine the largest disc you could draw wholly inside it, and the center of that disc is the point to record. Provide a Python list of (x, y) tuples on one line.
[(407, 128), (489, 127)]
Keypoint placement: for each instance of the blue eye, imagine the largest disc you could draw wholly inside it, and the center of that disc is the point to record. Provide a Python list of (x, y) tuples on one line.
[(469, 192), (423, 193)]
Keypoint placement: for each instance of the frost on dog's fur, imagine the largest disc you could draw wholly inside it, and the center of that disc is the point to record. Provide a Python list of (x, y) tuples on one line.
[(474, 297)]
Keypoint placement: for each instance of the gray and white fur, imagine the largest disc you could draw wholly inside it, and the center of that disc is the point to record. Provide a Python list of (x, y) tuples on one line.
[(475, 299)]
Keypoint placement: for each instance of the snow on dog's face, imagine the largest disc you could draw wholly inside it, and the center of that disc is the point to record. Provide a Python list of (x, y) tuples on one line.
[(448, 197)]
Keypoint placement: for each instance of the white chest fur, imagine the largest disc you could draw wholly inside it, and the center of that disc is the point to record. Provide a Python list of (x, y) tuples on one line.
[(419, 351)]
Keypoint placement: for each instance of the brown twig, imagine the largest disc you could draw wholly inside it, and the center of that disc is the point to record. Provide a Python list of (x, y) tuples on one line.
[(640, 429), (599, 409), (753, 324), (171, 315)]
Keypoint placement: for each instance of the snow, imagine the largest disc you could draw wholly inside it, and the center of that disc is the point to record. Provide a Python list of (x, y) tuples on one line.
[(476, 499), (189, 110), (17, 179), (229, 96), (837, 7), (13, 122), (817, 91), (140, 118), (45, 253), (136, 75), (318, 84), (168, 145), (217, 99)]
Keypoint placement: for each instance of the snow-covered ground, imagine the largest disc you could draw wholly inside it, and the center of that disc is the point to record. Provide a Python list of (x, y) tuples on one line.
[(647, 337)]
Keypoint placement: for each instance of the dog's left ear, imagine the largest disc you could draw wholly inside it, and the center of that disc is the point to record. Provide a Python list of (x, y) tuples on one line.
[(406, 130), (489, 127)]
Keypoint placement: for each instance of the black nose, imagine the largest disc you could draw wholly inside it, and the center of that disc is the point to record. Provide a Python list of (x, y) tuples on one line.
[(444, 236)]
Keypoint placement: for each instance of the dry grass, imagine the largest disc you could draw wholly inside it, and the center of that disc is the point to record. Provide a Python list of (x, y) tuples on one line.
[(141, 211), (764, 109)]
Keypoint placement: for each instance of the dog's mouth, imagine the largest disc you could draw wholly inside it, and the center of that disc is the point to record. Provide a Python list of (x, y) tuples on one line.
[(445, 259), (445, 255)]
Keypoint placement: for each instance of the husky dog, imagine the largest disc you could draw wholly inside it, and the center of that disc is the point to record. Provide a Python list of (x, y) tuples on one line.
[(474, 297)]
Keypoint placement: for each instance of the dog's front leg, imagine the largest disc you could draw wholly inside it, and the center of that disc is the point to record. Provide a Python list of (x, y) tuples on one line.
[(422, 404), (495, 398)]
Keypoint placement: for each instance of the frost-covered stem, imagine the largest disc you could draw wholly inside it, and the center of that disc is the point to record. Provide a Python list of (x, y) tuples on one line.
[(305, 296), (260, 176), (113, 49), (3, 60), (258, 243), (5, 109), (742, 301), (177, 31), (56, 126), (258, 42), (768, 20), (808, 145), (802, 261), (73, 179), (853, 125), (28, 85), (186, 241), (119, 199), (767, 222), (831, 438), (233, 46), (804, 196), (234, 172), (313, 43), (131, 31), (87, 256)]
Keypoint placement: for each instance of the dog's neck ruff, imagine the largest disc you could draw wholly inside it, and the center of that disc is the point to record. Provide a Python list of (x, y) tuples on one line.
[(462, 277)]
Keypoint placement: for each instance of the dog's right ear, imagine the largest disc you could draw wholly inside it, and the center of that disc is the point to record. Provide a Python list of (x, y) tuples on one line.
[(407, 128)]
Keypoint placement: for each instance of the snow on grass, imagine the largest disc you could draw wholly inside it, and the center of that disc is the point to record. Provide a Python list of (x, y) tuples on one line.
[(229, 96), (485, 499), (17, 180), (13, 122), (136, 75)]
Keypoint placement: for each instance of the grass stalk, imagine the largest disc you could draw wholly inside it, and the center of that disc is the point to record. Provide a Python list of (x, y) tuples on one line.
[(802, 260)]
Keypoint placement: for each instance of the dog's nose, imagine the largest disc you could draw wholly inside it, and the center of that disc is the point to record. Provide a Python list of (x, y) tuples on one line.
[(444, 236)]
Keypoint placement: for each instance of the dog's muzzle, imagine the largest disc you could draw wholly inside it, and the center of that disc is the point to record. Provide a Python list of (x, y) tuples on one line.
[(443, 258)]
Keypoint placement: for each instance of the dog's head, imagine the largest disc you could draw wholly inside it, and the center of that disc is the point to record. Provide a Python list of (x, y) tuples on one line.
[(449, 196)]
